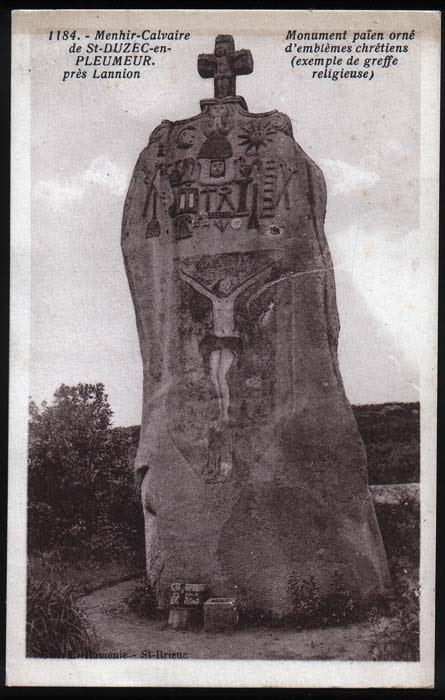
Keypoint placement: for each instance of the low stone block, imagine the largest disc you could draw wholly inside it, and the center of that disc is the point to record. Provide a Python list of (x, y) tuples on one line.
[(220, 614)]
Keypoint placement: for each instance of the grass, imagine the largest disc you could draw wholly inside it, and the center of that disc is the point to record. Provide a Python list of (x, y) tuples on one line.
[(83, 574), (55, 627)]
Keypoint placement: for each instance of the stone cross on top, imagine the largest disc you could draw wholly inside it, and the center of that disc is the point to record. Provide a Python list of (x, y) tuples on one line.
[(224, 65)]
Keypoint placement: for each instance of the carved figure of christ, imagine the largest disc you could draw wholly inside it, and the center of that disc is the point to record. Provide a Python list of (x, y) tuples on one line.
[(225, 334)]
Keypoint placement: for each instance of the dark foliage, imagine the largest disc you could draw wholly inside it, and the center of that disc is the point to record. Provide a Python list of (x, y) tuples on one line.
[(311, 608), (142, 600), (391, 433), (398, 639), (400, 528), (80, 486)]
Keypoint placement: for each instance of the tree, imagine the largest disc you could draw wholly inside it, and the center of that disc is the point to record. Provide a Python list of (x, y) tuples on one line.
[(78, 480)]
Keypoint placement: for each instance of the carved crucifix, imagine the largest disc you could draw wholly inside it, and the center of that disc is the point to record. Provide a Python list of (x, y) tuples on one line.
[(223, 345), (224, 65)]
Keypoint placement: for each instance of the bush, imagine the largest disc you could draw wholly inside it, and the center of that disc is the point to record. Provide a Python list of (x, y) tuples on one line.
[(399, 637), (142, 600), (311, 608), (80, 485), (55, 626), (113, 540)]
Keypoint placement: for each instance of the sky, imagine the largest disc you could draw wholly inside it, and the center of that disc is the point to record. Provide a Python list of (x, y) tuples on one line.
[(86, 137)]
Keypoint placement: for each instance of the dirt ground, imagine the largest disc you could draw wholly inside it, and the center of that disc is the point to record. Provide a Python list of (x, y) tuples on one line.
[(120, 630)]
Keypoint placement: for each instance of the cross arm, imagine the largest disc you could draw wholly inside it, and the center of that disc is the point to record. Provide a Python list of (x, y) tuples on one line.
[(243, 62), (206, 65), (252, 278)]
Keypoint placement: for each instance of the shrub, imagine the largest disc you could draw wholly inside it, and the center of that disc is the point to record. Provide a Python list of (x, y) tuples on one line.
[(311, 608), (80, 486), (399, 636), (55, 626), (142, 600)]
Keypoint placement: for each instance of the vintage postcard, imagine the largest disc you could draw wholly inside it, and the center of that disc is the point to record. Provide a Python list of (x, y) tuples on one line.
[(223, 348)]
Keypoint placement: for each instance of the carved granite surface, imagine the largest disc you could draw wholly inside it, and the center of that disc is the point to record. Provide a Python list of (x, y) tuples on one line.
[(254, 472)]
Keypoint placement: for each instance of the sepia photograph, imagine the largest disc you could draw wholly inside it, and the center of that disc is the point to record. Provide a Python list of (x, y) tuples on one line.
[(223, 348)]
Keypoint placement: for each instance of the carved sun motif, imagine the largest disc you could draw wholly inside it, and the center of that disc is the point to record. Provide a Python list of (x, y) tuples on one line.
[(256, 136)]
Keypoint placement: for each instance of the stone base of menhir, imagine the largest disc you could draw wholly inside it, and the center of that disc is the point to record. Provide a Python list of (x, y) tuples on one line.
[(302, 517)]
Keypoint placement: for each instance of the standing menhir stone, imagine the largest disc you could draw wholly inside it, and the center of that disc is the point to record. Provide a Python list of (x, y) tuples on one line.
[(254, 473)]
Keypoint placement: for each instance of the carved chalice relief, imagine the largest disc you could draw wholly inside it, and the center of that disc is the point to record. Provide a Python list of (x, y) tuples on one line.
[(222, 348)]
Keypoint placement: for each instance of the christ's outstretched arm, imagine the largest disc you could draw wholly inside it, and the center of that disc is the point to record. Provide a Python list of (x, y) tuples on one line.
[(250, 280), (197, 286)]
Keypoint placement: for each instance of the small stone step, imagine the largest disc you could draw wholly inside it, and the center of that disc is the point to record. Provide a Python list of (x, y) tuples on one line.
[(184, 618)]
